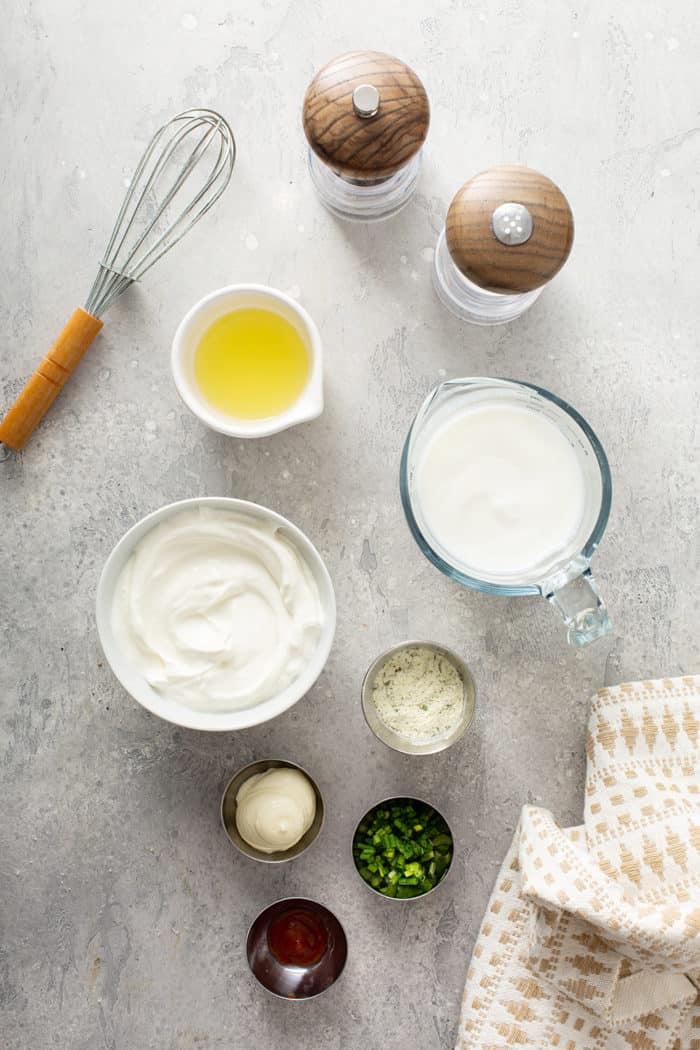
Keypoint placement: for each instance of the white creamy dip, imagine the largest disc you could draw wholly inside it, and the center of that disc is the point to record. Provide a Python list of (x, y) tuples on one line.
[(216, 610), (500, 488), (274, 809)]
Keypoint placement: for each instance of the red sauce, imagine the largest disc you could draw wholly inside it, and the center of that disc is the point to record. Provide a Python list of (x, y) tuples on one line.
[(297, 937)]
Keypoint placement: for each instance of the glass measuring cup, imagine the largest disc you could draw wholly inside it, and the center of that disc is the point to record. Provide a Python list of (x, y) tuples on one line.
[(563, 576)]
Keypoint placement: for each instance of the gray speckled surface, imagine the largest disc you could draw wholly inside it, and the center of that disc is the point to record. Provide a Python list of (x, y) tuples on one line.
[(123, 906)]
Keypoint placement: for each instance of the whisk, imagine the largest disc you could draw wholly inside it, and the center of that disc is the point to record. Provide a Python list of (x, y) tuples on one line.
[(183, 172)]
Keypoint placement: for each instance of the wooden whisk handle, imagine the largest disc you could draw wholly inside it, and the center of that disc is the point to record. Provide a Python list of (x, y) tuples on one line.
[(48, 380)]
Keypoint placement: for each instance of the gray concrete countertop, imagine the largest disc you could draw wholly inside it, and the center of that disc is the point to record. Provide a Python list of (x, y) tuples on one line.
[(124, 908)]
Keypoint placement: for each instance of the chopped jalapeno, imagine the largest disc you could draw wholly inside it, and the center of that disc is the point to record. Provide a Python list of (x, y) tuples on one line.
[(402, 849)]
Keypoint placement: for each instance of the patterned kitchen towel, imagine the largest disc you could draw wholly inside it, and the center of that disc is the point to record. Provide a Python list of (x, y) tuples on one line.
[(591, 940)]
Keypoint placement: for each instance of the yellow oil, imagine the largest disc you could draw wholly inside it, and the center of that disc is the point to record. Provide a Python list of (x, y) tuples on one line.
[(251, 363)]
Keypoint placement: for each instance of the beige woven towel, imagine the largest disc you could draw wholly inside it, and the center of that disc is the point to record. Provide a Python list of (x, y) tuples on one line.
[(591, 940)]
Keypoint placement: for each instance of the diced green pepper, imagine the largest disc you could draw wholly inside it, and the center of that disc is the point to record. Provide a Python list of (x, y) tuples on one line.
[(403, 849), (408, 891), (442, 840)]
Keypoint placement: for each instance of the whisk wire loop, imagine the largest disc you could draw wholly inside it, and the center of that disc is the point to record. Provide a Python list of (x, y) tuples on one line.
[(144, 230), (163, 164)]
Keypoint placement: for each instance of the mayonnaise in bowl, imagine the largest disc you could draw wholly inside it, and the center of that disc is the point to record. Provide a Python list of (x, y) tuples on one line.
[(275, 809), (217, 610)]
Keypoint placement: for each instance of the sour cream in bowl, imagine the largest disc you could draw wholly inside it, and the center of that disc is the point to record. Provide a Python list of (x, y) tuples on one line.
[(215, 613)]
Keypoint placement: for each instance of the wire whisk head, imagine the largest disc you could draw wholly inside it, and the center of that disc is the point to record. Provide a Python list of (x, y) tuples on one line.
[(182, 173)]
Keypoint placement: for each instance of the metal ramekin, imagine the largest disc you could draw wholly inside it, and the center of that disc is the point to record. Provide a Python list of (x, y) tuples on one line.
[(295, 983), (393, 740), (228, 812), (383, 802)]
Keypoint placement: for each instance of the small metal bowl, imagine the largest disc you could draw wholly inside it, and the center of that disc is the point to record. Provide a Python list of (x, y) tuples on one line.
[(386, 802), (228, 812), (296, 982), (392, 739)]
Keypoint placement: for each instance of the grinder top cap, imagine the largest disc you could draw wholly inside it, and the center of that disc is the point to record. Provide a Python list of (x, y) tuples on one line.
[(509, 229), (366, 115)]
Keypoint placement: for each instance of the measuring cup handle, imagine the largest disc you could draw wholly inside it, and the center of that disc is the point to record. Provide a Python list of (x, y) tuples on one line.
[(581, 608), (44, 386)]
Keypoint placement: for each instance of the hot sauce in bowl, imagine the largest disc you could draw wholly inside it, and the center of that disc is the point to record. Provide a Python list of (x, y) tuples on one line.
[(297, 937), (296, 948)]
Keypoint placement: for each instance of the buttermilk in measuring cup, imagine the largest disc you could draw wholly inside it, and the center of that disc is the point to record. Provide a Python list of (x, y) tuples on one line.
[(500, 488)]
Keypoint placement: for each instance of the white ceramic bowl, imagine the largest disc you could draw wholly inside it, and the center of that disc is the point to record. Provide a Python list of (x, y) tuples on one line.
[(308, 405), (170, 710)]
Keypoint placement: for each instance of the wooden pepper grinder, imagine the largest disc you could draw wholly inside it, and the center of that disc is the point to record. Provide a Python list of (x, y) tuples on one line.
[(366, 117), (509, 230)]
